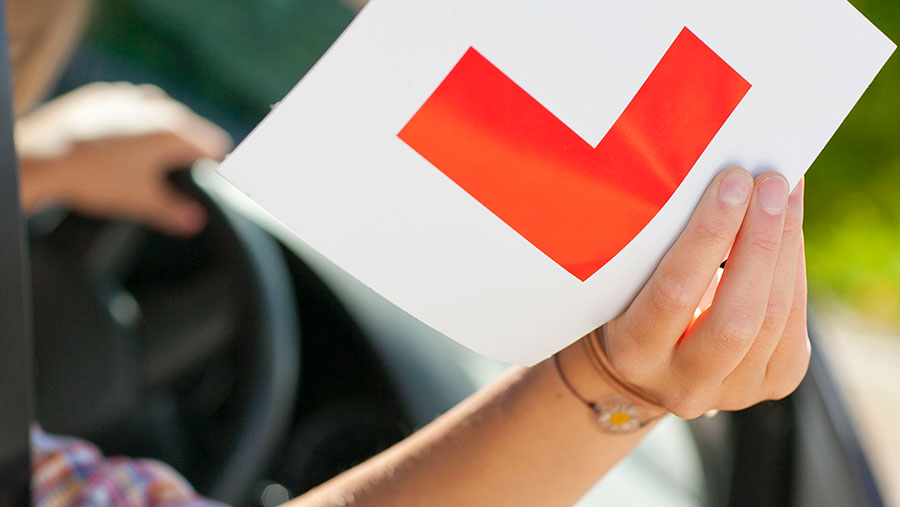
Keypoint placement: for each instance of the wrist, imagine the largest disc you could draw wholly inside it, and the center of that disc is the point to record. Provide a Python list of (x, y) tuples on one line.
[(618, 405), (582, 374)]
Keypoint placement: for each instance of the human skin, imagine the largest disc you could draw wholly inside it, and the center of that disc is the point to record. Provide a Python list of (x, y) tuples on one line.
[(105, 150), (526, 440)]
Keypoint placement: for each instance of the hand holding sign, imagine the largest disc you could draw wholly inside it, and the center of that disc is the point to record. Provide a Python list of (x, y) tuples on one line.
[(751, 344), (547, 158)]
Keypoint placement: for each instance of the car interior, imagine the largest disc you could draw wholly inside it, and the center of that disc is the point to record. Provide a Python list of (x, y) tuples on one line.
[(15, 339), (257, 368)]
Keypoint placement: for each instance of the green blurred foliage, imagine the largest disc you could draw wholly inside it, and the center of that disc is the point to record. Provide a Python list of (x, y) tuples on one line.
[(853, 195)]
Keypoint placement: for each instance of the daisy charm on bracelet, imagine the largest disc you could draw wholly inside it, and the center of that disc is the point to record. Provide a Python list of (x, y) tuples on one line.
[(618, 414)]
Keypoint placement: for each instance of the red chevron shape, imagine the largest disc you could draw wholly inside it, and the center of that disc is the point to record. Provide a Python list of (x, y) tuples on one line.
[(579, 204)]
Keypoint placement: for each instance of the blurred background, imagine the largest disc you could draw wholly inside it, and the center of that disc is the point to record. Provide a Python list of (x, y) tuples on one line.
[(852, 209), (853, 252), (242, 56)]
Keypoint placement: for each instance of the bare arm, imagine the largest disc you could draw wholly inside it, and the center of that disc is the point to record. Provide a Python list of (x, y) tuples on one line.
[(526, 440)]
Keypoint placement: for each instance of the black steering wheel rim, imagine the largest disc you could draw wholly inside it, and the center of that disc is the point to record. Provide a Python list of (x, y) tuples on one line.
[(103, 345)]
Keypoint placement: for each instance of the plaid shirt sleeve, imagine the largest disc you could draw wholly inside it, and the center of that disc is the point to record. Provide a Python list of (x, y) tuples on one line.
[(67, 471)]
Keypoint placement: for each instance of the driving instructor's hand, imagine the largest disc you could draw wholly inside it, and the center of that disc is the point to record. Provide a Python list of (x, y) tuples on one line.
[(751, 344), (105, 150)]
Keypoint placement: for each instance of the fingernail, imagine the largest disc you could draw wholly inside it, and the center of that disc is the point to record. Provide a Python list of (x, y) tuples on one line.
[(735, 188), (773, 195)]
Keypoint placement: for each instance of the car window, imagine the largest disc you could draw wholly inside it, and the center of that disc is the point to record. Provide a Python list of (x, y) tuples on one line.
[(253, 50)]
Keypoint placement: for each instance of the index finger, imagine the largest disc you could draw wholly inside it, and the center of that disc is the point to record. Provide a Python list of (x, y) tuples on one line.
[(665, 306)]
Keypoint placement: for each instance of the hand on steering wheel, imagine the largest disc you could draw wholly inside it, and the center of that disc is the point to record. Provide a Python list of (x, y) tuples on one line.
[(105, 149)]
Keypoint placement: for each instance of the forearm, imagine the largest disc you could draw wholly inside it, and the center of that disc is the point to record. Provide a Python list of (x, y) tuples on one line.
[(525, 440)]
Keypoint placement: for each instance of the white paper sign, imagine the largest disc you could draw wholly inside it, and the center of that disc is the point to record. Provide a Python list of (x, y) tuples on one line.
[(510, 173)]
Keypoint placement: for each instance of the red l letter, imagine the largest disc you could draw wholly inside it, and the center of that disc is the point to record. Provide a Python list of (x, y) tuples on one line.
[(578, 204)]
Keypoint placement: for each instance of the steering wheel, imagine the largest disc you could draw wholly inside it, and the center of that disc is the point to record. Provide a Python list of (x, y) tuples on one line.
[(181, 350)]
